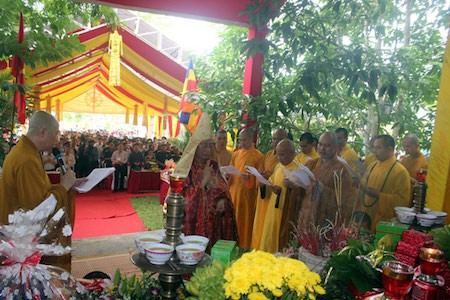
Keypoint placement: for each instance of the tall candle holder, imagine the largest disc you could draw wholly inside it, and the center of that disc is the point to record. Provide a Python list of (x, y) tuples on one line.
[(170, 274), (175, 211), (420, 193)]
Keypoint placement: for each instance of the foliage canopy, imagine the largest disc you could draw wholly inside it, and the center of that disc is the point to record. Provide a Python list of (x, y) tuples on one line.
[(370, 66)]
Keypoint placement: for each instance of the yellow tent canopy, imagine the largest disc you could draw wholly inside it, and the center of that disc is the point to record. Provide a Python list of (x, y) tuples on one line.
[(148, 78)]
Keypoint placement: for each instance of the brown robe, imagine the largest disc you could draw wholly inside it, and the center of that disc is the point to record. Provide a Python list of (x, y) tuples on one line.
[(319, 201)]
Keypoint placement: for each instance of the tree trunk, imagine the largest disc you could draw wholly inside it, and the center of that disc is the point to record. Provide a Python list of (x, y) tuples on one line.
[(407, 37)]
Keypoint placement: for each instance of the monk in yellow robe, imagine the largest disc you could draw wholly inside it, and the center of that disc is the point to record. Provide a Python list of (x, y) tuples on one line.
[(25, 184), (269, 163), (284, 202), (223, 154), (414, 161), (309, 152), (243, 187), (385, 183), (330, 195), (347, 153)]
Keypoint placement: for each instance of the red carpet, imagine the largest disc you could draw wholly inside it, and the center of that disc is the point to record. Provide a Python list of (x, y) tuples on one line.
[(102, 213)]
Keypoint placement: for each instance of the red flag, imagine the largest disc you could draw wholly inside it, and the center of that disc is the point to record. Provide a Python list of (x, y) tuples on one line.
[(17, 71)]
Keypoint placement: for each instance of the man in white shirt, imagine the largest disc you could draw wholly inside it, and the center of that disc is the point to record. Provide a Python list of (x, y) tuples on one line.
[(119, 159)]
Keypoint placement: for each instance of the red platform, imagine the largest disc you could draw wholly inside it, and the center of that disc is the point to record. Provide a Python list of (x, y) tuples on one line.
[(143, 181)]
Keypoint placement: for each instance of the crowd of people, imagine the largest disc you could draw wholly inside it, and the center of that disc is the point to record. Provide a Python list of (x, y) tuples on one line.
[(223, 204), (83, 152)]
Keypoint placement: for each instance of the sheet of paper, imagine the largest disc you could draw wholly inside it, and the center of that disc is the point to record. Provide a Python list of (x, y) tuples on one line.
[(94, 178), (361, 167), (258, 176), (306, 170), (352, 172), (298, 177), (231, 170)]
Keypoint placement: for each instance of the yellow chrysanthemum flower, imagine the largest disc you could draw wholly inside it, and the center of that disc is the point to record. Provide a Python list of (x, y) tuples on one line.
[(257, 272)]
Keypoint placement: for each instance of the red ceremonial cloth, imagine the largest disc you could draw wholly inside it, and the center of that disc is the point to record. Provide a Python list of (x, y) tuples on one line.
[(102, 213), (143, 181)]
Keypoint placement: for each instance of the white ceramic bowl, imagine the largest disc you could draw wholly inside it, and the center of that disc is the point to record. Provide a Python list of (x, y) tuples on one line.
[(190, 254), (195, 239), (426, 209), (146, 238), (158, 253), (426, 219), (406, 217), (440, 216), (403, 208)]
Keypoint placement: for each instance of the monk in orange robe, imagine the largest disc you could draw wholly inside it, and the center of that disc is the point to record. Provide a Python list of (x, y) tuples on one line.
[(223, 154), (243, 187), (414, 161)]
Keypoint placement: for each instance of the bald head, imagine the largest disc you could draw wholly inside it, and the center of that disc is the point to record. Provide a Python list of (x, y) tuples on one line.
[(410, 144), (245, 138), (285, 151), (43, 130), (412, 138), (278, 135), (42, 120), (328, 146)]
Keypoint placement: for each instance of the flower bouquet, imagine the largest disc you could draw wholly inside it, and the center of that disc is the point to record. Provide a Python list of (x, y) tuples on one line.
[(22, 244), (256, 275), (261, 275)]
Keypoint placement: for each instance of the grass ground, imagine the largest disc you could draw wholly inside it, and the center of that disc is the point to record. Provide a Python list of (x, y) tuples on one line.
[(150, 211)]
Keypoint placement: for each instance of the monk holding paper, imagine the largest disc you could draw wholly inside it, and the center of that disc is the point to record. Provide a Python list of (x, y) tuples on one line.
[(330, 194), (283, 204), (243, 187)]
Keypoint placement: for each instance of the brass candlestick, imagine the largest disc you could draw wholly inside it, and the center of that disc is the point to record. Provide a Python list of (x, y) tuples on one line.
[(420, 193), (170, 274)]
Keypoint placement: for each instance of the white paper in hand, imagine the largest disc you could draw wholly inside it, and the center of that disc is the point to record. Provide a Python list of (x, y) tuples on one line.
[(306, 170), (361, 167), (298, 177), (352, 172), (93, 179), (254, 171), (230, 170)]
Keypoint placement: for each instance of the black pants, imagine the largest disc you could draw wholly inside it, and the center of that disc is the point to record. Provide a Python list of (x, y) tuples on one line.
[(119, 176)]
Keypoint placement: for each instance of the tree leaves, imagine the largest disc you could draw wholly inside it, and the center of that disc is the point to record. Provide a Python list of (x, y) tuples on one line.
[(330, 64)]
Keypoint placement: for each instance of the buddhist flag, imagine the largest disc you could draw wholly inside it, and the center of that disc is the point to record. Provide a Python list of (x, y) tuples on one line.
[(17, 71), (189, 112)]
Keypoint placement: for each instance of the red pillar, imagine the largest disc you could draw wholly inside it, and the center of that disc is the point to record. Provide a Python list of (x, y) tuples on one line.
[(253, 74)]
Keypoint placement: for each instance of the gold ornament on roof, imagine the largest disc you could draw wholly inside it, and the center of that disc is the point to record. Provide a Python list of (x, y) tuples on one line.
[(115, 51)]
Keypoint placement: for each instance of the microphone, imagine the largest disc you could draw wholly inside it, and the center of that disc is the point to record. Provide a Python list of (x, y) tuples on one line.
[(60, 160)]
